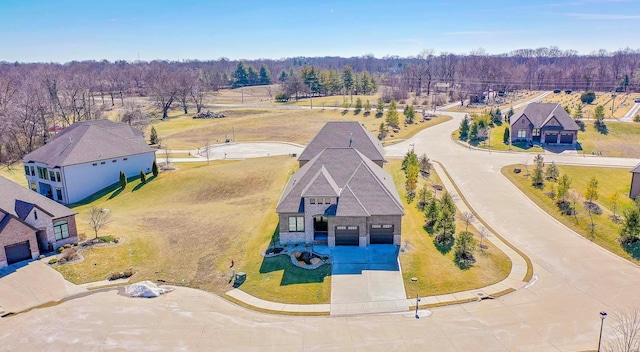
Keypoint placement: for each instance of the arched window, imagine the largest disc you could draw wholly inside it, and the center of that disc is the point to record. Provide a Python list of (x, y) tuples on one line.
[(61, 230)]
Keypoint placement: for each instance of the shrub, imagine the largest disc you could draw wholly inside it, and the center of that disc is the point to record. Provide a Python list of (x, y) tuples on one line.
[(636, 118), (143, 177), (565, 207), (67, 246), (53, 260), (154, 169), (282, 97), (60, 249), (114, 275), (128, 273), (593, 207), (75, 244), (588, 97), (68, 254)]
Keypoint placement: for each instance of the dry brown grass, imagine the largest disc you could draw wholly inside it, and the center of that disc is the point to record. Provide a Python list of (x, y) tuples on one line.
[(186, 226), (251, 125)]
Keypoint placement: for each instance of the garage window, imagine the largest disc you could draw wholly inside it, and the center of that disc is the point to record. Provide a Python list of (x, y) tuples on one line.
[(376, 226), (352, 227), (341, 227), (61, 230), (387, 226), (296, 223)]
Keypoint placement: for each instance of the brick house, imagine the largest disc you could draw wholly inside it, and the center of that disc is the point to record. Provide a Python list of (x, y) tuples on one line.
[(31, 223)]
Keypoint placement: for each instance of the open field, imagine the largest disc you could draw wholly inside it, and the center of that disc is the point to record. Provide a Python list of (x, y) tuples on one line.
[(250, 125), (610, 180), (15, 174), (188, 235), (436, 272), (622, 103)]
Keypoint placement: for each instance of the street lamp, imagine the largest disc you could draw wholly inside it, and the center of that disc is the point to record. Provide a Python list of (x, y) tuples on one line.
[(603, 316), (417, 302)]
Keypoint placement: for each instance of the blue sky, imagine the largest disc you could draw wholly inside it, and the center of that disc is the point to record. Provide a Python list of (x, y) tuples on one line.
[(65, 30)]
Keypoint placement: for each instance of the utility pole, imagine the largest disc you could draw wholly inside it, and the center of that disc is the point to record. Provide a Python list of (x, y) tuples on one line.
[(417, 301)]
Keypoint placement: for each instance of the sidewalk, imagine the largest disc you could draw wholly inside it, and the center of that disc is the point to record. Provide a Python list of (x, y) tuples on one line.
[(513, 281)]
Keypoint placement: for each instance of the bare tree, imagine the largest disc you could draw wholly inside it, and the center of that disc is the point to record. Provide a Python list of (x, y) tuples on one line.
[(626, 327), (162, 86), (468, 218), (98, 218)]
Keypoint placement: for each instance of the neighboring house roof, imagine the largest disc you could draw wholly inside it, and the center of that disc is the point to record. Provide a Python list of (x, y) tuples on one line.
[(344, 134), (541, 114), (5, 219), (364, 188), (89, 141), (636, 169), (19, 201)]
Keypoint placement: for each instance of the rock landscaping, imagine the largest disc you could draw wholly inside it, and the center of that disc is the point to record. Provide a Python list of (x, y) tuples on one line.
[(300, 258), (208, 115)]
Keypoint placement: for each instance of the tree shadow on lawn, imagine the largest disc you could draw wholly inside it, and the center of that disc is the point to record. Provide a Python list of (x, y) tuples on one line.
[(633, 249), (137, 187), (292, 274)]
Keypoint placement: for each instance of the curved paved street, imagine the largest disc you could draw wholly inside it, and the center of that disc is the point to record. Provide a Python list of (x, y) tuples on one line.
[(559, 312)]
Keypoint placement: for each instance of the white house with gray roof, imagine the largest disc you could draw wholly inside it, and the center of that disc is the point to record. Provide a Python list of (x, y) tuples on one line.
[(85, 158), (341, 197)]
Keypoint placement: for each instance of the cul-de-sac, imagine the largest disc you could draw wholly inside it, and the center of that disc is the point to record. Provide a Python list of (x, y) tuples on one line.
[(320, 177)]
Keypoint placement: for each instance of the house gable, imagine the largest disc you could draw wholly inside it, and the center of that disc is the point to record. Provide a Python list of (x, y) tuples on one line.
[(322, 185), (552, 122)]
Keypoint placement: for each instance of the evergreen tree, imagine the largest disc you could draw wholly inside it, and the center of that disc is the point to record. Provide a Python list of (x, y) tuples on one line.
[(380, 108), (510, 113), (447, 202), (564, 183), (445, 226), (392, 114), (283, 77), (240, 76), (552, 172), (367, 106), (473, 132), (577, 115), (505, 136), (537, 180), (265, 75), (464, 248), (411, 181), (348, 81), (598, 114), (567, 109), (358, 104), (464, 128), (154, 169), (252, 76), (382, 130), (410, 158), (143, 177), (431, 212), (410, 113), (630, 231), (153, 139), (123, 180), (424, 196)]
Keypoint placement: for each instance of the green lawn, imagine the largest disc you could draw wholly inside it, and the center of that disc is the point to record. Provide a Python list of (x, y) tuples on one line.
[(436, 272), (610, 180)]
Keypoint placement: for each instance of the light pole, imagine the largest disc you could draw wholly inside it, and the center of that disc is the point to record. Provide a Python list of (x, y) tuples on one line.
[(417, 301), (603, 316)]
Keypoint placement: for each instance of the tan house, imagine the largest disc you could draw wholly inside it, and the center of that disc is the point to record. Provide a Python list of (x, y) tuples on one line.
[(635, 182), (31, 223), (546, 123), (341, 197)]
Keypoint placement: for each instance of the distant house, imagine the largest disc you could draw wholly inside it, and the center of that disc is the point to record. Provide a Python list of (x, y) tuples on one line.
[(546, 123), (85, 158), (341, 195), (635, 182), (344, 134), (31, 224)]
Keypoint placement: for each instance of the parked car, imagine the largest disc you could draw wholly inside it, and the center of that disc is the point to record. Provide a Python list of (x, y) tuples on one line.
[(557, 91), (637, 100)]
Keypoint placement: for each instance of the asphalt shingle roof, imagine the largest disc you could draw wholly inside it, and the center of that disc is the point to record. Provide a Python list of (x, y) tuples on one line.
[(18, 201), (89, 141), (541, 113), (636, 169), (321, 185), (365, 188), (340, 134)]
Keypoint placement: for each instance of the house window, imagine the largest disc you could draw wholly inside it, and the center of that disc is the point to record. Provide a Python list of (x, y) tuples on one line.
[(52, 175), (61, 230), (296, 223), (58, 176), (33, 171), (312, 201), (125, 159), (522, 133), (114, 161), (95, 164), (535, 132), (59, 193), (26, 171), (35, 215), (102, 162), (34, 187), (42, 173)]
